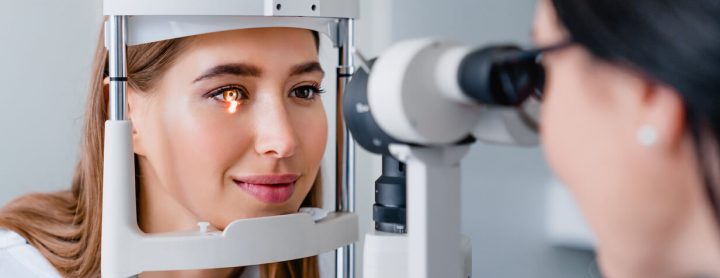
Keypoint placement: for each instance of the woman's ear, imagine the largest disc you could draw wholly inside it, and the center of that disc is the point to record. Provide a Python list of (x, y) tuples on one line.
[(135, 118), (106, 85), (131, 115)]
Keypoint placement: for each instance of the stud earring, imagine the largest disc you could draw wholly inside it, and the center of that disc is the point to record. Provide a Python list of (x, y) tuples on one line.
[(647, 135)]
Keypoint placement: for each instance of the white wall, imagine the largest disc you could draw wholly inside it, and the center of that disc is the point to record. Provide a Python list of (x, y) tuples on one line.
[(45, 57)]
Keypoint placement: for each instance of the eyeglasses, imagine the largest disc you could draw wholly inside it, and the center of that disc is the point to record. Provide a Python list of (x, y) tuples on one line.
[(523, 73)]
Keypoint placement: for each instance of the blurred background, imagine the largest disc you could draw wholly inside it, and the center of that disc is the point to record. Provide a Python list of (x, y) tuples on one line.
[(521, 220)]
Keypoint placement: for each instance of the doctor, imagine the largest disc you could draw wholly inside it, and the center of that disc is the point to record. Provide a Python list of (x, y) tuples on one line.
[(631, 122)]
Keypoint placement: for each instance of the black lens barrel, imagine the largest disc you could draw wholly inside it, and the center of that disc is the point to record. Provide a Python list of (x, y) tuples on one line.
[(500, 75), (389, 210)]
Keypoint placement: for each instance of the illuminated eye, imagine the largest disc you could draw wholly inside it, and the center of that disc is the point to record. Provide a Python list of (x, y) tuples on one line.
[(231, 95), (228, 94)]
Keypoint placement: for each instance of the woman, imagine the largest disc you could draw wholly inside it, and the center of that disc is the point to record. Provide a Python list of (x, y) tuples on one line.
[(644, 76), (226, 125)]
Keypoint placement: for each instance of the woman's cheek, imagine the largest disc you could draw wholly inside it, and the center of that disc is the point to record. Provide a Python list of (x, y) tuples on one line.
[(211, 142), (310, 125), (319, 135)]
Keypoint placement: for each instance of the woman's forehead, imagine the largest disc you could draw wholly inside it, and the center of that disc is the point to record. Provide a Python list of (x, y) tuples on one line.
[(262, 48)]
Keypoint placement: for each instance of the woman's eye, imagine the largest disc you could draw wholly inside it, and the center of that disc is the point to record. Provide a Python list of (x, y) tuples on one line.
[(228, 94), (306, 92)]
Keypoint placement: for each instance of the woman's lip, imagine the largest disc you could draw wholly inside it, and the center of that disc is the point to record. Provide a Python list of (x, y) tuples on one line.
[(270, 193), (268, 188), (279, 179)]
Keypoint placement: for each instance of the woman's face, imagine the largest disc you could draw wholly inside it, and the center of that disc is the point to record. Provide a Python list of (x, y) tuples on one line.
[(630, 194), (235, 128)]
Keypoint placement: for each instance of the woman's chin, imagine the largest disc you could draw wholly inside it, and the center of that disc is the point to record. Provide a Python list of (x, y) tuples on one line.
[(262, 210)]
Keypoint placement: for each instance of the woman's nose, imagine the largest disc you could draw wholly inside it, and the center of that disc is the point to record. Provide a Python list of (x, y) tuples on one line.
[(275, 135)]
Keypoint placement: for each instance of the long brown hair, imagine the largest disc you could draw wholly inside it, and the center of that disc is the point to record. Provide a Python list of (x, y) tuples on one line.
[(65, 226)]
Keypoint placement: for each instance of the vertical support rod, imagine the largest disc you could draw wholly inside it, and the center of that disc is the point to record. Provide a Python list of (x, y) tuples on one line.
[(433, 209), (345, 149), (118, 207), (434, 218), (117, 66)]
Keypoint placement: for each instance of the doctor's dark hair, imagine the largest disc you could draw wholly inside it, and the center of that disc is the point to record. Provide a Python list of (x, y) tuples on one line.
[(65, 226), (676, 42)]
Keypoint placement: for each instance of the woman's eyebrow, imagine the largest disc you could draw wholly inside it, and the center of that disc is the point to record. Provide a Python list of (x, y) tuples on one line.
[(306, 68), (232, 69)]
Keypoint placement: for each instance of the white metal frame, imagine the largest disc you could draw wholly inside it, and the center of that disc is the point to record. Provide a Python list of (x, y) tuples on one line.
[(126, 250)]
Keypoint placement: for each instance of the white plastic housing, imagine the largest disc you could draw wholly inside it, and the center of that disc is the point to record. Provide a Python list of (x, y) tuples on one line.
[(407, 101), (386, 255), (311, 8), (146, 29), (433, 209), (415, 96), (155, 20)]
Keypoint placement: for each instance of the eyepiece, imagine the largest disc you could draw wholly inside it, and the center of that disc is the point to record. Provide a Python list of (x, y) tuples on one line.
[(501, 75)]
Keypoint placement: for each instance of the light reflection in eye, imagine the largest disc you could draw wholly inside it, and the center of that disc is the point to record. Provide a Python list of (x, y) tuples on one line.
[(232, 96), (232, 108)]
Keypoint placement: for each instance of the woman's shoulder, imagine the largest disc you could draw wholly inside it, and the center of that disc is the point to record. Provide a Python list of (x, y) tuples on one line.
[(20, 259)]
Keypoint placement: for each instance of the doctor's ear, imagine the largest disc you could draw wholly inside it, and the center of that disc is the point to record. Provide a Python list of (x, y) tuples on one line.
[(663, 117)]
